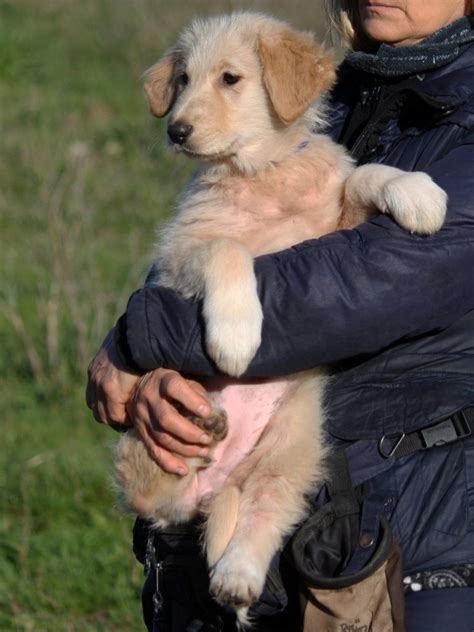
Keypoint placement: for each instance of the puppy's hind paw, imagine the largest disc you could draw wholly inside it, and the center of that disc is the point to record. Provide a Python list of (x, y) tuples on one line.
[(236, 582)]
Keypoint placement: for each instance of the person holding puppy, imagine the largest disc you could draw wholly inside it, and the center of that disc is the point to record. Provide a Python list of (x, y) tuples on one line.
[(390, 312)]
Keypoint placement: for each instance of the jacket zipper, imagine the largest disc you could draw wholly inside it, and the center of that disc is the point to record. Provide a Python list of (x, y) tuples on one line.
[(374, 97)]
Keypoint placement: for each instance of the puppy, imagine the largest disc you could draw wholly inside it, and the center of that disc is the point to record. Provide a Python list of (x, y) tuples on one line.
[(245, 95)]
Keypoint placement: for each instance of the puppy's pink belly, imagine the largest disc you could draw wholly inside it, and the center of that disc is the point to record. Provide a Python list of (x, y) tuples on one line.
[(249, 407)]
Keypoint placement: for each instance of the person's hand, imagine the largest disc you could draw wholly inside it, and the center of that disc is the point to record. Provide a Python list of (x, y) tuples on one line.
[(163, 429), (110, 387)]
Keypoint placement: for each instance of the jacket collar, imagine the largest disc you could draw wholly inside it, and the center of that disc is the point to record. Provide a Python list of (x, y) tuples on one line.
[(445, 88), (448, 87)]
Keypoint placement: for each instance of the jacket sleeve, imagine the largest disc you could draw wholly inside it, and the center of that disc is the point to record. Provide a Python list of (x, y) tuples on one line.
[(344, 295)]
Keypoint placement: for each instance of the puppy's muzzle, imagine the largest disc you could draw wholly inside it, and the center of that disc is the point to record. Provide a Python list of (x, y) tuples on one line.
[(179, 132)]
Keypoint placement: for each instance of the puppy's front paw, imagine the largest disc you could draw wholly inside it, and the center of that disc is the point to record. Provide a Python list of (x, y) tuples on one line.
[(233, 329), (216, 424), (235, 581), (416, 202)]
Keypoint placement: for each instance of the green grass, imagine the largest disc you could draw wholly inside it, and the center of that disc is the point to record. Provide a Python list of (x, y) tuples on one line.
[(65, 552), (85, 177)]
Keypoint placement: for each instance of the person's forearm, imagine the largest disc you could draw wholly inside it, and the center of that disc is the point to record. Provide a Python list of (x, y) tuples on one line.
[(312, 317), (344, 295)]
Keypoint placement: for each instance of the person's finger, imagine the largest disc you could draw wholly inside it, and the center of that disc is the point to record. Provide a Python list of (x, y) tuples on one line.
[(96, 414), (90, 398), (109, 415), (116, 413), (172, 444), (149, 404), (100, 412), (173, 386), (167, 461), (199, 388), (167, 418)]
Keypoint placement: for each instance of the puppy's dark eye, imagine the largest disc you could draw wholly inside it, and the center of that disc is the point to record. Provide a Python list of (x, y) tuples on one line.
[(182, 79), (230, 79)]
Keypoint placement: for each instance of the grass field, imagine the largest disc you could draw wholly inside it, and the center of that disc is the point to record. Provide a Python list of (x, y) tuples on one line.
[(85, 176)]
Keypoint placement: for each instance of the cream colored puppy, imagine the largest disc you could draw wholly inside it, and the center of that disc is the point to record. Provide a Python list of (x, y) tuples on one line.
[(244, 96)]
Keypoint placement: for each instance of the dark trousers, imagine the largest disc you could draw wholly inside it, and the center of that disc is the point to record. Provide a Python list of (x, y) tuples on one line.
[(183, 602), (443, 610), (193, 611), (186, 606)]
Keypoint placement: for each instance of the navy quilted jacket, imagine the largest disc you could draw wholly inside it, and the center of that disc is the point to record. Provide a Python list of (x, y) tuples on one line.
[(372, 290), (392, 312)]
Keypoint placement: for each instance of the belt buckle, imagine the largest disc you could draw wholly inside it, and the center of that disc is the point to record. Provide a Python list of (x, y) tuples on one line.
[(393, 448), (447, 431)]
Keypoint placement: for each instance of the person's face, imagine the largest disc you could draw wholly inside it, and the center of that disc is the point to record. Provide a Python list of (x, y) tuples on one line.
[(404, 22)]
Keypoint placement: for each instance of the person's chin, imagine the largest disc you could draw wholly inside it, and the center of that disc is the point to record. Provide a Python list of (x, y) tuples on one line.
[(381, 30)]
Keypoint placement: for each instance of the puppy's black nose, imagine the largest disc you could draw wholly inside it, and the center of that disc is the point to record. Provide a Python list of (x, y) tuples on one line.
[(179, 132)]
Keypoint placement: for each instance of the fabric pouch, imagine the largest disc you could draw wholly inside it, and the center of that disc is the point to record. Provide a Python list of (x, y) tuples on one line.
[(349, 562)]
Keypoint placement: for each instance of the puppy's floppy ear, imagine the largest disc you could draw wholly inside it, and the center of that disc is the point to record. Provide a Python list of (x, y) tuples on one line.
[(295, 71), (159, 87)]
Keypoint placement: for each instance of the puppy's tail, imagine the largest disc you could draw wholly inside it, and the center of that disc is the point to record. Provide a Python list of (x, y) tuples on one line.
[(221, 523)]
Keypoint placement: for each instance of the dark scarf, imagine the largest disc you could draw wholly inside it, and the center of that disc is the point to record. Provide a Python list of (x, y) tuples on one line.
[(437, 50)]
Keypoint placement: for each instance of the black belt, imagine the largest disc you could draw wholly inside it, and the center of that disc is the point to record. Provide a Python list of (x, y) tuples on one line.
[(458, 426)]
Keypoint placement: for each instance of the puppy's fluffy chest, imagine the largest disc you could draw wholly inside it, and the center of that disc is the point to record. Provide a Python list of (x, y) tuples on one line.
[(295, 199)]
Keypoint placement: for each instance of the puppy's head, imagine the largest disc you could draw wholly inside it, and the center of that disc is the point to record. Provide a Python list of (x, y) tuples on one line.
[(233, 84)]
